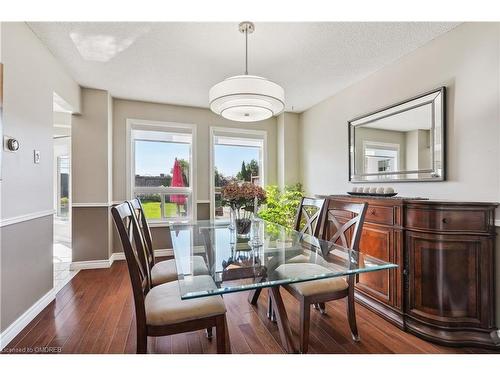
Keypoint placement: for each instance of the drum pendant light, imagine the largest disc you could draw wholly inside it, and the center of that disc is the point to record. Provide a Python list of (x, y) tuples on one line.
[(247, 98)]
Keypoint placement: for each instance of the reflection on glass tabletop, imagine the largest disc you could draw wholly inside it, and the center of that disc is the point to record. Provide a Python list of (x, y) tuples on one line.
[(271, 255)]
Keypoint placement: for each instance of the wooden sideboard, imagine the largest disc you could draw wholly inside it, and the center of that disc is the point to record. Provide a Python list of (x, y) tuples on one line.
[(443, 289)]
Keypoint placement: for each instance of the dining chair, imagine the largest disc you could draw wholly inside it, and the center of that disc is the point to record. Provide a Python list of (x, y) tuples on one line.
[(159, 310), (345, 232), (166, 270), (308, 216), (307, 221)]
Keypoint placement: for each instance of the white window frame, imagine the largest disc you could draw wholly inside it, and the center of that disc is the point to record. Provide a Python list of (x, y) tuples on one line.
[(137, 124), (215, 131), (389, 146)]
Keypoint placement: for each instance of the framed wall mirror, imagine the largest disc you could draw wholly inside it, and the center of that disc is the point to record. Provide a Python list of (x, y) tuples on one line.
[(402, 142)]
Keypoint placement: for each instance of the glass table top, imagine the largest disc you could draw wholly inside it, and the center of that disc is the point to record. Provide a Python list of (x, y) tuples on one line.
[(271, 255)]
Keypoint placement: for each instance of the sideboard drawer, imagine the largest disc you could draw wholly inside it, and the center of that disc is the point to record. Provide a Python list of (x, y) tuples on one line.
[(380, 214), (447, 220)]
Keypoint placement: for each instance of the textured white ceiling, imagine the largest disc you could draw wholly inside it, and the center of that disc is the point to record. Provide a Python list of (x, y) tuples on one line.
[(178, 62)]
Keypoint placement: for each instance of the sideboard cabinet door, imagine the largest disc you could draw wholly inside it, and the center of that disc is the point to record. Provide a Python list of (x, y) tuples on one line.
[(449, 280), (378, 242)]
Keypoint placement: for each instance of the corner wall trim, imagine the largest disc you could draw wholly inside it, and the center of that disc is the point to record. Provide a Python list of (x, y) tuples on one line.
[(20, 323), (27, 217)]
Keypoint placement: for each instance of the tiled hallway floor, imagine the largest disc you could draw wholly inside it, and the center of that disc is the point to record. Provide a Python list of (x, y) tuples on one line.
[(62, 261)]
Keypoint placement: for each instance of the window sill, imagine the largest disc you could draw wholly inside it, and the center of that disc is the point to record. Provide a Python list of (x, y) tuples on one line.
[(166, 224)]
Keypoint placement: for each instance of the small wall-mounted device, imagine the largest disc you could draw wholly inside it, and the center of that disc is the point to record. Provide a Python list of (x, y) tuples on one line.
[(11, 144), (36, 156)]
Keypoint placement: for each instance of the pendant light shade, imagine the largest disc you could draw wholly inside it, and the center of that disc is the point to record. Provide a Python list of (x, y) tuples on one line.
[(247, 98)]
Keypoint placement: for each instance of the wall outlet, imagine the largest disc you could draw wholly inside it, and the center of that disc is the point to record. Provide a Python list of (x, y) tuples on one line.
[(36, 156)]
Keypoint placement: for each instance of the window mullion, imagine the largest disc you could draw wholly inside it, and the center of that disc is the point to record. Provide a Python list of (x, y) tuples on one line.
[(162, 207)]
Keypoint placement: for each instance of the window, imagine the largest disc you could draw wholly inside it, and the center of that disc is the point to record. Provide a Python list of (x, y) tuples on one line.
[(236, 155), (161, 172), (380, 157)]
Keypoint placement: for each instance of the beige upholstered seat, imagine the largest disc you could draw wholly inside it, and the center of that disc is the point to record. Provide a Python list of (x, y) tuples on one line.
[(308, 256), (314, 287), (164, 306), (166, 271)]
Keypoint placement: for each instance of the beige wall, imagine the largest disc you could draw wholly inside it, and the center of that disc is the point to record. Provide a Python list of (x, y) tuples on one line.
[(91, 233), (418, 152), (280, 149), (91, 149), (62, 119), (92, 152), (26, 273), (31, 75), (466, 61), (203, 118), (288, 149)]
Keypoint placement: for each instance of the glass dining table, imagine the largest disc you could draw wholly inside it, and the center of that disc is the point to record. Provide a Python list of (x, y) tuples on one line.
[(259, 260)]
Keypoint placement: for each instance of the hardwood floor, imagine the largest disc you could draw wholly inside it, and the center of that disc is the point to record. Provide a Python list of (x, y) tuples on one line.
[(94, 313)]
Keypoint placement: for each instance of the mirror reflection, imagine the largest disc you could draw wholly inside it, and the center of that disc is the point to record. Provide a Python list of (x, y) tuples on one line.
[(403, 142)]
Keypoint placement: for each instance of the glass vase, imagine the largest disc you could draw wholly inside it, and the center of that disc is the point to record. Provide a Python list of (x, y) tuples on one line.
[(242, 223)]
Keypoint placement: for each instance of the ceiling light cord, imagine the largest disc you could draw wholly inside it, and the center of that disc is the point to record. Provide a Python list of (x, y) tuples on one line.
[(246, 51), (246, 27)]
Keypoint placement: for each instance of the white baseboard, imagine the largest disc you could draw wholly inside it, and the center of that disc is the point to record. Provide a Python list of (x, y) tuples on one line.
[(90, 264), (164, 253), (20, 323), (158, 253), (117, 256), (106, 263)]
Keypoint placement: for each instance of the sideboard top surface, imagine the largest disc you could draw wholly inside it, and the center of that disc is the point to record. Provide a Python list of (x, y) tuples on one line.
[(411, 200)]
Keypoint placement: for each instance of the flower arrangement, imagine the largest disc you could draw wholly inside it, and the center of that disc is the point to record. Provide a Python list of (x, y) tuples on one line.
[(243, 199), (242, 196)]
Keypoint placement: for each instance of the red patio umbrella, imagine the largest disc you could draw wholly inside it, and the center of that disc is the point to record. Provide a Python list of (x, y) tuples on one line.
[(177, 181)]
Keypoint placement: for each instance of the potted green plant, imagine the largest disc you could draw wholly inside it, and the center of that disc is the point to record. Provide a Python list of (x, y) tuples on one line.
[(281, 208)]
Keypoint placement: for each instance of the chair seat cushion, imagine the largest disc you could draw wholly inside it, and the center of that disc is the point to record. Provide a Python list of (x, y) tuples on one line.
[(313, 287), (164, 306), (166, 271), (308, 256)]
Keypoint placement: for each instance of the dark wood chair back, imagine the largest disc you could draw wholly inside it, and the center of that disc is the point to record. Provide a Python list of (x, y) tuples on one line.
[(134, 249), (309, 215), (334, 231), (146, 232)]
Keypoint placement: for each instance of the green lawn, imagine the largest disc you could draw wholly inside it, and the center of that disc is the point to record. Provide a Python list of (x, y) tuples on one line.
[(153, 211)]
